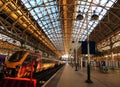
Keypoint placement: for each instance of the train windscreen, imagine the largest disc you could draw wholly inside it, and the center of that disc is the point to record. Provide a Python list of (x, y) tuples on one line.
[(16, 56)]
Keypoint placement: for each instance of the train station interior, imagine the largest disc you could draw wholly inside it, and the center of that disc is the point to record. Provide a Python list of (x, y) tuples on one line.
[(82, 37)]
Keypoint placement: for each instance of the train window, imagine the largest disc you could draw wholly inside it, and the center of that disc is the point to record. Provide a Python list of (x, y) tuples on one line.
[(46, 61), (43, 60), (28, 60), (16, 56)]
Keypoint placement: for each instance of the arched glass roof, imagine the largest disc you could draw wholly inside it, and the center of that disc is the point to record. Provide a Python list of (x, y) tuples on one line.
[(87, 8), (47, 14)]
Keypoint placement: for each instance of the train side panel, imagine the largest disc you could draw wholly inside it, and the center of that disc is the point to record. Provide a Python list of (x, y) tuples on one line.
[(47, 63)]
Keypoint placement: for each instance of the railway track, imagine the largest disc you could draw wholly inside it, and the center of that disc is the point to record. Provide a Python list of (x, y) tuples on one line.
[(45, 75)]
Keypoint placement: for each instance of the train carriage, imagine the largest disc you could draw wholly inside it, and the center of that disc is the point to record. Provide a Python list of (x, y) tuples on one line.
[(23, 63)]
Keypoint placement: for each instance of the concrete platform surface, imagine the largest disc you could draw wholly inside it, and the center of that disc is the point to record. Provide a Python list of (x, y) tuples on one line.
[(68, 77)]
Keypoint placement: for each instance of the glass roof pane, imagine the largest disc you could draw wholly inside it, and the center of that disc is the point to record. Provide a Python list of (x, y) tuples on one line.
[(27, 5), (109, 4), (32, 2), (35, 17), (32, 12)]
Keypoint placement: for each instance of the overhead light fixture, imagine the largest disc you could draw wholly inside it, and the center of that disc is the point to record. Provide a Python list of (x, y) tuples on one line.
[(73, 41), (94, 16), (79, 16)]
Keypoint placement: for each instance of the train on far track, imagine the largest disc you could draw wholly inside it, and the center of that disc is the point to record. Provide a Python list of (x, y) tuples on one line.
[(24, 63)]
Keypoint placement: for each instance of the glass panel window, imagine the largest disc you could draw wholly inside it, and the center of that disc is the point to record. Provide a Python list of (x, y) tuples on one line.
[(17, 56), (86, 8)]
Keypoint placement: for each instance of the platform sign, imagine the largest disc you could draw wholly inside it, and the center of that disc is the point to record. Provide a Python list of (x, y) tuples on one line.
[(84, 47)]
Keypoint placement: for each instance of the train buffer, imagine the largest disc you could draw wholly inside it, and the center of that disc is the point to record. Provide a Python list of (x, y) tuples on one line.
[(17, 82)]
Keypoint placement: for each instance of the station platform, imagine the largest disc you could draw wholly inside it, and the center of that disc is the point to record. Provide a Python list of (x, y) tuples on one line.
[(68, 77)]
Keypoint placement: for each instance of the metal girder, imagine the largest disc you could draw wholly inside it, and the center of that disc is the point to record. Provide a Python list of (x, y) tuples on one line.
[(66, 12), (21, 36), (109, 40), (6, 2), (107, 27), (115, 15)]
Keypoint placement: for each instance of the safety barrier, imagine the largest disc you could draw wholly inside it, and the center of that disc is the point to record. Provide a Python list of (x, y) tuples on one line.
[(17, 82)]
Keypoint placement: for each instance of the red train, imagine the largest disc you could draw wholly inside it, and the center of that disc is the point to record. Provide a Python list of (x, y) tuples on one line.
[(23, 63)]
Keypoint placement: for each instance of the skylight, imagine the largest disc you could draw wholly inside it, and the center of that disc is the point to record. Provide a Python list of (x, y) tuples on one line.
[(87, 7), (46, 13)]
